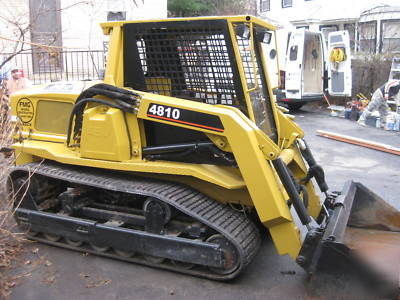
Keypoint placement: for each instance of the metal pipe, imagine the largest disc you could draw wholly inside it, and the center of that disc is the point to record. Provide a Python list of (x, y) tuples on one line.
[(317, 170), (290, 188), (174, 148)]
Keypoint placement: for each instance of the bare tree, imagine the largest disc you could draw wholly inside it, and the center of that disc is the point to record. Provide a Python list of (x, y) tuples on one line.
[(19, 22)]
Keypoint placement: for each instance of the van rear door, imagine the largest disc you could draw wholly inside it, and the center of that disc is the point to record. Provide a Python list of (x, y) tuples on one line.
[(294, 64), (339, 64), (313, 66)]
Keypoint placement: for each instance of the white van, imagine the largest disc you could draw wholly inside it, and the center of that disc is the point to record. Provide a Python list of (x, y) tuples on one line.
[(312, 68)]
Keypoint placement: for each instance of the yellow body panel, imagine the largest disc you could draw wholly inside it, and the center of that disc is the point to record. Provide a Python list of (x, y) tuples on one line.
[(53, 116), (101, 142), (209, 173)]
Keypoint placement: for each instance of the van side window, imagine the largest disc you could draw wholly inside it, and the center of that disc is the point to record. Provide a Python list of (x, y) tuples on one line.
[(293, 53), (336, 39)]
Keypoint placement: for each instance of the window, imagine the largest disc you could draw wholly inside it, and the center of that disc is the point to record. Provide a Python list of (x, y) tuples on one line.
[(390, 36), (305, 27), (191, 62), (265, 5), (293, 53), (286, 3), (367, 37), (351, 28), (325, 29)]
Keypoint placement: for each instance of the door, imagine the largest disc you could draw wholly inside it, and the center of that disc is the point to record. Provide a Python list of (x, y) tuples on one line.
[(313, 65), (271, 60), (294, 63), (339, 64)]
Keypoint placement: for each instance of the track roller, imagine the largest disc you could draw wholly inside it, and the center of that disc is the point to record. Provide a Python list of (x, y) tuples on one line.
[(100, 248), (75, 243), (52, 237), (230, 254)]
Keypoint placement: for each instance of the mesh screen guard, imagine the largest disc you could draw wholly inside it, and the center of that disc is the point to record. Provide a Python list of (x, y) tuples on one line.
[(194, 61)]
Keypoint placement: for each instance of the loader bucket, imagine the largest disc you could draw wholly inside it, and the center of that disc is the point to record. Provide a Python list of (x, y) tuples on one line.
[(363, 235)]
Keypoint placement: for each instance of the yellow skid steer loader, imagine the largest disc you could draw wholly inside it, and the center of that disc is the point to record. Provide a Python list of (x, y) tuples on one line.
[(174, 159)]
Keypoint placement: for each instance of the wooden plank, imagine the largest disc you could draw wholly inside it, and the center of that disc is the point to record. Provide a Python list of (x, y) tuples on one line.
[(359, 142)]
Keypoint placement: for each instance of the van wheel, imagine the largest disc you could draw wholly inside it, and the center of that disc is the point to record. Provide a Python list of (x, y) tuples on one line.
[(294, 106)]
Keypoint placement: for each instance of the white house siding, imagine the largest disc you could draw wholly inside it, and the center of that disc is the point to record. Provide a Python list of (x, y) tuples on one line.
[(79, 19), (325, 15), (80, 23), (80, 31)]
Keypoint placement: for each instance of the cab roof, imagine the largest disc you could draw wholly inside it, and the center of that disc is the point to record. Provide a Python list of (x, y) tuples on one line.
[(107, 26)]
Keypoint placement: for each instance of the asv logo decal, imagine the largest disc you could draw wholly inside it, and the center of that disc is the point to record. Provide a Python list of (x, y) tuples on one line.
[(164, 111)]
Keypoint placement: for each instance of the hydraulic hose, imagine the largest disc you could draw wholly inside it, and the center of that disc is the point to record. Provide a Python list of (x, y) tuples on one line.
[(123, 97), (77, 107), (291, 189), (315, 170)]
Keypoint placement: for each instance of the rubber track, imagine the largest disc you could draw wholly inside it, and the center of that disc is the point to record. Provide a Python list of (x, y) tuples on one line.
[(235, 226)]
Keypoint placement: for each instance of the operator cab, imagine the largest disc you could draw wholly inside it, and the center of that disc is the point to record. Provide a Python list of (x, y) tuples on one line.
[(217, 62)]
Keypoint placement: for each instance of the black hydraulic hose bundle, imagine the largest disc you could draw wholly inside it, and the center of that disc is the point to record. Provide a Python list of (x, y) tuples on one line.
[(123, 99)]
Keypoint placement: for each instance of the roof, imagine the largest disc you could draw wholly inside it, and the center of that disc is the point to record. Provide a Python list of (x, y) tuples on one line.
[(380, 9)]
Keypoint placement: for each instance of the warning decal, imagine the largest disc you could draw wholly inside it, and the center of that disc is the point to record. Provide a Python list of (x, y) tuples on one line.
[(25, 110)]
